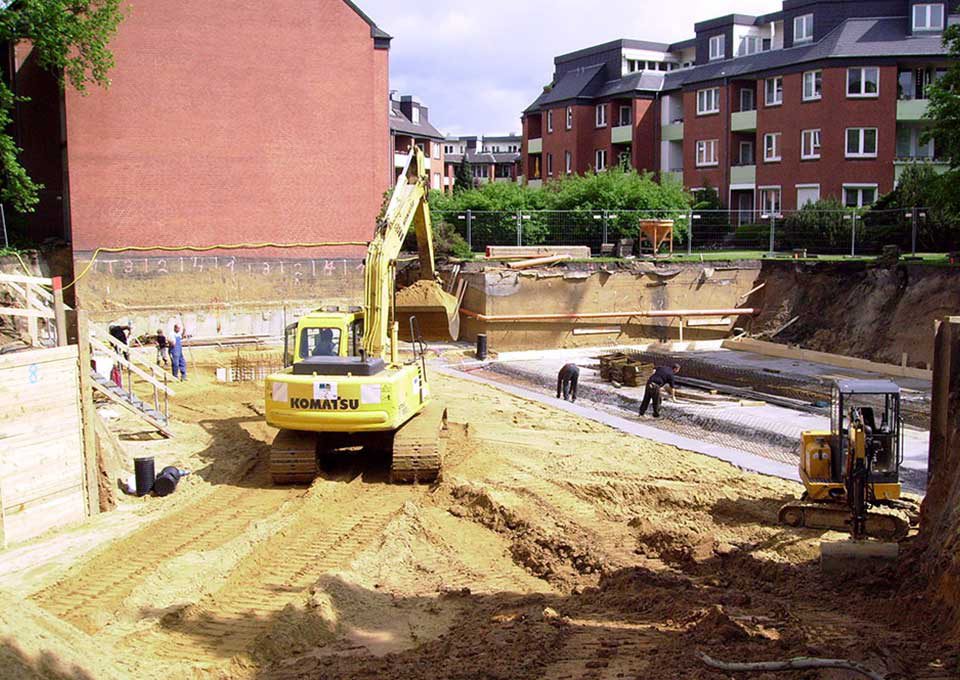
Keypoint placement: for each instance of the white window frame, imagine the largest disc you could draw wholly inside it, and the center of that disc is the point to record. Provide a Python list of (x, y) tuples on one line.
[(859, 188), (753, 153), (815, 144), (600, 158), (817, 93), (928, 16), (569, 117), (568, 162), (777, 155), (437, 180), (705, 106), (777, 91), (436, 150), (718, 47), (764, 212), (550, 120), (415, 115), (863, 94), (550, 165), (601, 115), (750, 44), (805, 21), (629, 116), (801, 187), (753, 98), (705, 159), (861, 147)]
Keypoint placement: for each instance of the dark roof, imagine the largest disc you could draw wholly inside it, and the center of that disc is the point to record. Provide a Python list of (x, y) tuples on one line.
[(854, 38), (482, 158), (683, 44), (581, 82), (641, 81), (400, 123), (376, 32)]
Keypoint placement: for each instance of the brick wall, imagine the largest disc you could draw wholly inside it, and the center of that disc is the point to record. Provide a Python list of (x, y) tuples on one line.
[(232, 122), (697, 128)]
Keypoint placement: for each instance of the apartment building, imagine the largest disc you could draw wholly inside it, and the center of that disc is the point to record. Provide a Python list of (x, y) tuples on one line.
[(410, 126), (491, 158), (823, 98)]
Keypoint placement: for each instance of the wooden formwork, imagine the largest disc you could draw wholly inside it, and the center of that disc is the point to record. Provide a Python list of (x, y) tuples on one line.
[(44, 477)]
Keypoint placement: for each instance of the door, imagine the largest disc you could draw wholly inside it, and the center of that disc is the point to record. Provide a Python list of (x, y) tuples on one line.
[(745, 207)]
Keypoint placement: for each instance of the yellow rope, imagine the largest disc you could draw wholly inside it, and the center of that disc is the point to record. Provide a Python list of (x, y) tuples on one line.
[(202, 249)]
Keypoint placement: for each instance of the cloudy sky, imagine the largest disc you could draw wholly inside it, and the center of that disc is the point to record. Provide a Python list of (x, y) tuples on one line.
[(478, 64)]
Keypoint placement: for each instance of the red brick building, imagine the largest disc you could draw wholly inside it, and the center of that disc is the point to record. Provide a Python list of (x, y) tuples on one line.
[(823, 98), (410, 126), (224, 122)]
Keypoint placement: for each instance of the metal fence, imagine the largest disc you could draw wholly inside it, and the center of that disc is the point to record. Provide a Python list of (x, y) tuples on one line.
[(845, 232)]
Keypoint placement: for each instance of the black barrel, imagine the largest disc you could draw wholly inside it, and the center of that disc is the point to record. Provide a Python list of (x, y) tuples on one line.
[(166, 482), (482, 346), (143, 470)]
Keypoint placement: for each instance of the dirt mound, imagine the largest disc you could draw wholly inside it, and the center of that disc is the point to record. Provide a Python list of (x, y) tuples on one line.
[(423, 294), (876, 313)]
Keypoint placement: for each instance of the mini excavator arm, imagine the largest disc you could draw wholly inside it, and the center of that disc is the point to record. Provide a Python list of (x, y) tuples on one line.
[(408, 205)]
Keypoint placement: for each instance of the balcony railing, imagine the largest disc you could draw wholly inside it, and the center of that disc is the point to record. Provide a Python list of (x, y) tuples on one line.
[(743, 174), (743, 121), (622, 134), (912, 109), (673, 132), (535, 145)]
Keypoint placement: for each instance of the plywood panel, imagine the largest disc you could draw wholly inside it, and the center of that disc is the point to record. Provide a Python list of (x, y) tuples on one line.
[(42, 456)]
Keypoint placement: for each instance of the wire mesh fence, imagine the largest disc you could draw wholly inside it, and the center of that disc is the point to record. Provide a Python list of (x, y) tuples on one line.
[(808, 231)]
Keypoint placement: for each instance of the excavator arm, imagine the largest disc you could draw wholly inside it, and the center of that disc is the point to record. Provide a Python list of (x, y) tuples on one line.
[(408, 206)]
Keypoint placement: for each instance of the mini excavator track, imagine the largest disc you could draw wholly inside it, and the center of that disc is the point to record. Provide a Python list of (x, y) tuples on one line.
[(418, 446), (888, 524)]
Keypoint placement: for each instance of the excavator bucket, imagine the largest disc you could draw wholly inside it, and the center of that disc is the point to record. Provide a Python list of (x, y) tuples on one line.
[(437, 312)]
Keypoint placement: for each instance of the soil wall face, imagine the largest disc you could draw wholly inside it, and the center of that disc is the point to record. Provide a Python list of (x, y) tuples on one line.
[(876, 313), (590, 288)]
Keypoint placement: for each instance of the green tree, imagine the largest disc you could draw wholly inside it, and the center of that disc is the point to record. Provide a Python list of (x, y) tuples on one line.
[(463, 176), (70, 39), (944, 109)]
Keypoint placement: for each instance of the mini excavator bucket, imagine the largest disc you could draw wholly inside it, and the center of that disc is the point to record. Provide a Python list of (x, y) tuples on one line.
[(437, 312)]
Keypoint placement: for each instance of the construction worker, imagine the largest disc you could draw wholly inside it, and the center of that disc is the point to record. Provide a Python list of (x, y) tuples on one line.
[(324, 345), (567, 382), (663, 377), (178, 362), (120, 333)]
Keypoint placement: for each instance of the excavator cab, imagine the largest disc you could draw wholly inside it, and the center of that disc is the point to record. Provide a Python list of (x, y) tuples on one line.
[(855, 466)]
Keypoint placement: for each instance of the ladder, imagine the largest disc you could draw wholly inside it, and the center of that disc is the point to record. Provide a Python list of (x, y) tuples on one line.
[(131, 402)]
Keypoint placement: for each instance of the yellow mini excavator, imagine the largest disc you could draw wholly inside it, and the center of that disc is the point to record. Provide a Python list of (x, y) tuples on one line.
[(344, 384), (852, 473)]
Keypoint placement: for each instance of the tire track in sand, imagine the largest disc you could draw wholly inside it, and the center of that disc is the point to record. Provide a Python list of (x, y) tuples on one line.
[(96, 590), (328, 532), (604, 650)]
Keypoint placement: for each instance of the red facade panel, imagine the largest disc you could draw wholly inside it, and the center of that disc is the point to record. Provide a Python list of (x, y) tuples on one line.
[(697, 128), (214, 131)]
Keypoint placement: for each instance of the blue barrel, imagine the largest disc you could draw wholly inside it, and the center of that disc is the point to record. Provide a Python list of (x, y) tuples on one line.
[(143, 471)]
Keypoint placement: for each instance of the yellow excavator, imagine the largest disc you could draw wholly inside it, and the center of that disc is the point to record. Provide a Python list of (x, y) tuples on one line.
[(344, 384), (852, 473)]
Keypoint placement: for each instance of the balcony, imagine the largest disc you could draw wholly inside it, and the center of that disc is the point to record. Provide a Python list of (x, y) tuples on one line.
[(743, 121), (743, 174), (535, 183), (535, 145), (673, 132), (676, 175), (901, 164), (912, 109), (622, 134)]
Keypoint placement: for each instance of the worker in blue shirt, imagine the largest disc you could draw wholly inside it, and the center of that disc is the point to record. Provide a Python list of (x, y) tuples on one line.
[(177, 361)]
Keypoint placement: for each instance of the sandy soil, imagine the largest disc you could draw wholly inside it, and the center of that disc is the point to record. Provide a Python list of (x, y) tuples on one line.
[(553, 548)]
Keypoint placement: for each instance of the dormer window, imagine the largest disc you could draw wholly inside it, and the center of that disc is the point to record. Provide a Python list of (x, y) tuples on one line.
[(928, 17), (415, 115), (803, 29), (718, 44)]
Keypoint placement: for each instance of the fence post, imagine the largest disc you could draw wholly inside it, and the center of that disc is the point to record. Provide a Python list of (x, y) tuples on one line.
[(689, 232), (604, 237), (519, 229), (913, 235), (773, 231), (853, 234), (470, 229)]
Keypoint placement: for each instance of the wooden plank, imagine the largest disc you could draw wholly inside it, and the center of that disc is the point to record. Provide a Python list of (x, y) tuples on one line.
[(97, 344), (87, 414), (19, 278), (37, 356), (521, 252), (28, 313), (708, 322), (120, 347), (784, 352), (52, 514)]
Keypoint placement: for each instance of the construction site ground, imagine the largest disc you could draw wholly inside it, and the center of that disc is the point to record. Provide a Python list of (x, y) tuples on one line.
[(555, 546), (739, 430)]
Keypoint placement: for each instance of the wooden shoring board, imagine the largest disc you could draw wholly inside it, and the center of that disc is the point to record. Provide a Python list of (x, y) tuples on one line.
[(772, 349)]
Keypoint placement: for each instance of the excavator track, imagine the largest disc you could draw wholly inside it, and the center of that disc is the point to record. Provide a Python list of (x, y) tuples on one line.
[(888, 526), (418, 446), (293, 457)]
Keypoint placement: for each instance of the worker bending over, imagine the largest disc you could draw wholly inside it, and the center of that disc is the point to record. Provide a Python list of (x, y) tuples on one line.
[(663, 377), (567, 382)]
